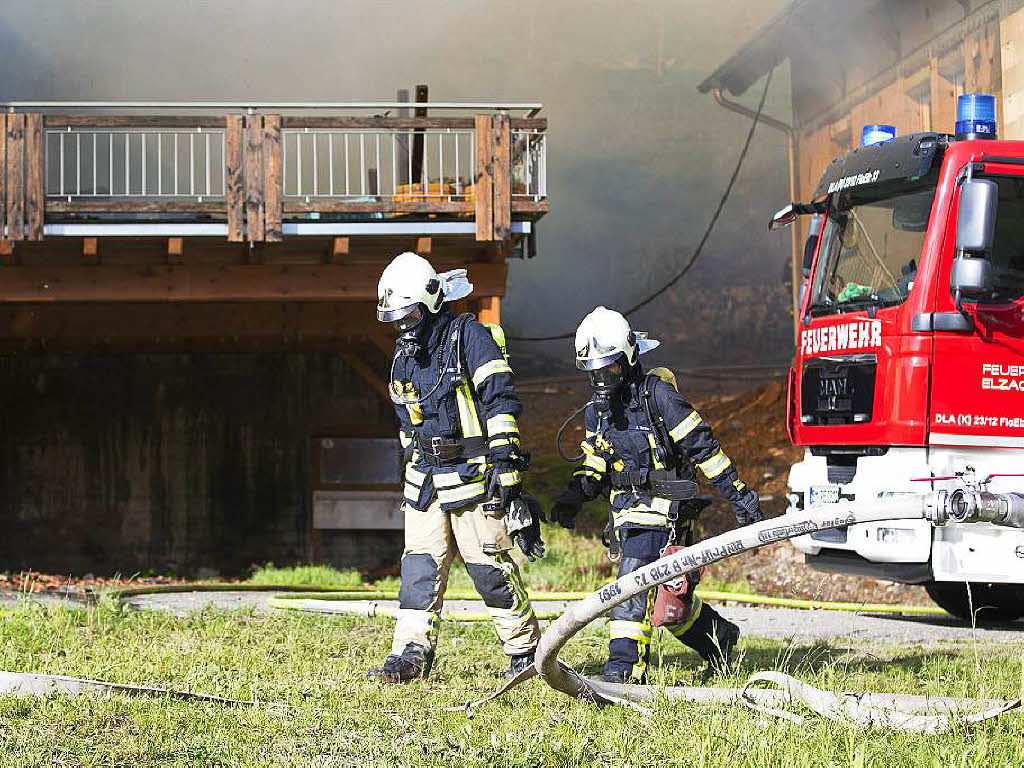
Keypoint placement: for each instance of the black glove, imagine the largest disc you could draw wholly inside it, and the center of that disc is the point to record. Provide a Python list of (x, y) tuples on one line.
[(498, 489), (747, 507), (523, 520)]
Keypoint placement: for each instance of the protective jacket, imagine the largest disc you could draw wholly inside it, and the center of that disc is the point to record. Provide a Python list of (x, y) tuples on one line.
[(620, 453), (466, 396)]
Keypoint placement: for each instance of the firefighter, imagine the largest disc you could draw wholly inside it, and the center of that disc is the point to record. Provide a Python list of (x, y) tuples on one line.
[(456, 403), (642, 442)]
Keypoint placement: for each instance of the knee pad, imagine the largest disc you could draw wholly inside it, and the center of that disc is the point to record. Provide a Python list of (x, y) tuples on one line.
[(492, 585), (419, 582)]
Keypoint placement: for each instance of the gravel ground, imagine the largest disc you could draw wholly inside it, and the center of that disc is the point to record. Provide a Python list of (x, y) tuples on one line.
[(774, 623)]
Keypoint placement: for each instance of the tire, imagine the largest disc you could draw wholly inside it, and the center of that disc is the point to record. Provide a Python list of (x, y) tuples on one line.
[(993, 603)]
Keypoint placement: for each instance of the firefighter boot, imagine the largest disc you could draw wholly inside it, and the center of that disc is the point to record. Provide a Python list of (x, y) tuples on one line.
[(413, 664), (713, 637), (519, 663)]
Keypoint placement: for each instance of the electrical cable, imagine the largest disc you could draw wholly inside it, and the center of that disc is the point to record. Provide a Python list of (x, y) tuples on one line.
[(707, 231)]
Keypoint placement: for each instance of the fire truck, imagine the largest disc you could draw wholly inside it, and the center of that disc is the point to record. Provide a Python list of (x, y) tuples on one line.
[(908, 376)]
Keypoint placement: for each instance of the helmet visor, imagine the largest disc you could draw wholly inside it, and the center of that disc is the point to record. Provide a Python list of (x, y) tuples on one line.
[(607, 378), (391, 315), (410, 319), (595, 363)]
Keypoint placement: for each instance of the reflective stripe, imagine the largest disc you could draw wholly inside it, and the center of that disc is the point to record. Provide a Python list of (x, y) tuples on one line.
[(411, 493), (461, 493), (654, 452), (695, 608), (590, 434), (715, 466), (640, 631), (510, 478), (414, 476), (502, 423), (739, 485), (489, 369), (595, 462), (685, 427), (467, 411), (415, 413), (658, 504), (447, 479), (638, 517), (498, 442), (404, 438)]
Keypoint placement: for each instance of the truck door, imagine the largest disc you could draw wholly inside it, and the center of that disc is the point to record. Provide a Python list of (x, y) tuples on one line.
[(978, 377)]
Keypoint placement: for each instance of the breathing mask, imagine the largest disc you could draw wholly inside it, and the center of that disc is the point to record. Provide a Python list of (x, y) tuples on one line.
[(410, 327), (605, 382)]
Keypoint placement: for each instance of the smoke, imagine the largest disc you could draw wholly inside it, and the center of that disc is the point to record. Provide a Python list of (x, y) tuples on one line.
[(636, 156)]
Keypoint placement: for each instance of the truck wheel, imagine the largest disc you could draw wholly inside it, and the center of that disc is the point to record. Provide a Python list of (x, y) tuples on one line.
[(993, 603)]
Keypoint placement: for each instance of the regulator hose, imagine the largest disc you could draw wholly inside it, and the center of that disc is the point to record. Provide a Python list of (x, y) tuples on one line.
[(561, 431)]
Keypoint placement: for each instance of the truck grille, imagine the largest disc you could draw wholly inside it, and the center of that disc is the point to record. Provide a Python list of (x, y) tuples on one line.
[(838, 390)]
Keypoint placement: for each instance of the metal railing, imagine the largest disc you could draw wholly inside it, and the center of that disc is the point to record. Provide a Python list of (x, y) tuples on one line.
[(365, 165), (157, 163)]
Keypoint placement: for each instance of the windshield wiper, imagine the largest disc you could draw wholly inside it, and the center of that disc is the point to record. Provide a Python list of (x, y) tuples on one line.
[(824, 308)]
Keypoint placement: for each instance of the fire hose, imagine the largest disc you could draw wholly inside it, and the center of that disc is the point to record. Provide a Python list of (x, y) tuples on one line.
[(908, 713)]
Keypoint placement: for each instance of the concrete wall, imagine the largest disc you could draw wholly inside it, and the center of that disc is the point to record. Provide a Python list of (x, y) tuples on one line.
[(122, 463)]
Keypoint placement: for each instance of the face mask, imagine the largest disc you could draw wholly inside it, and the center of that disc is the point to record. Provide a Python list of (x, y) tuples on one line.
[(605, 382), (410, 328)]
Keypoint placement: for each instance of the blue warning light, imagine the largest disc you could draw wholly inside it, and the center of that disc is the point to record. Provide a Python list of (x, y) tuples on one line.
[(876, 134), (976, 116)]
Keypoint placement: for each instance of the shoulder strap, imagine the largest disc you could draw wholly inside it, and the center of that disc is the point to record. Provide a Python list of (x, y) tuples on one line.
[(662, 442)]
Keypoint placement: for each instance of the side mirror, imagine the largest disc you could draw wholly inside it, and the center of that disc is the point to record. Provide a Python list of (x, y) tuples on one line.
[(811, 244), (783, 218), (976, 217), (971, 277)]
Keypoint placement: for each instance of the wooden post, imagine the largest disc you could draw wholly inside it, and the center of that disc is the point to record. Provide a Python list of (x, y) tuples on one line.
[(502, 178), (233, 192), (3, 175), (272, 179), (483, 189), (417, 139), (15, 177), (254, 205), (35, 199), (424, 245)]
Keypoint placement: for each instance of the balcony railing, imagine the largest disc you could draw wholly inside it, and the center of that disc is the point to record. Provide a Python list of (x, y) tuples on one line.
[(257, 169)]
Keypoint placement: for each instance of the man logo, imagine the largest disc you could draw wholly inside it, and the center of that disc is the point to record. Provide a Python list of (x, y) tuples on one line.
[(385, 297), (584, 351)]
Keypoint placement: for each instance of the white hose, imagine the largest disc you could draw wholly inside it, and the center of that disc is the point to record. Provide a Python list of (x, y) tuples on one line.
[(910, 713)]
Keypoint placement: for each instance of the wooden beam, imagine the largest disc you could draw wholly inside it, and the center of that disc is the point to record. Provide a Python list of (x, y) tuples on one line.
[(423, 245), (400, 123), (164, 327), (489, 310), (321, 205), (483, 190), (385, 344), (339, 249), (254, 204), (35, 194), (6, 252), (273, 190), (134, 206), (135, 121), (502, 178), (233, 192), (175, 250), (90, 250), (15, 177), (355, 281), (367, 373)]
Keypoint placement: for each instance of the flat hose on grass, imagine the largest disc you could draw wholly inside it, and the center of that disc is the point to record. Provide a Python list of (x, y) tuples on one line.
[(895, 711)]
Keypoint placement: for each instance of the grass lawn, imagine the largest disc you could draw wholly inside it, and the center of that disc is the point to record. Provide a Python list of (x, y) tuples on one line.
[(316, 664)]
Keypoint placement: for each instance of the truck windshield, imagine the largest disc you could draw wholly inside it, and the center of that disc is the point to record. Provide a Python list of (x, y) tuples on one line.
[(869, 251)]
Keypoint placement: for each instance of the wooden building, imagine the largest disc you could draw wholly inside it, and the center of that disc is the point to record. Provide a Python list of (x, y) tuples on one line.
[(191, 366), (899, 62)]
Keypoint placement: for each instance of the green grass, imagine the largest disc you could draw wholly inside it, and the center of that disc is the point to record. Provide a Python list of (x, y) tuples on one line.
[(316, 664)]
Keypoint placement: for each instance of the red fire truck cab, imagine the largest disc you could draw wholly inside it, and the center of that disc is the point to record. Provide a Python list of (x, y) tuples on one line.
[(909, 369)]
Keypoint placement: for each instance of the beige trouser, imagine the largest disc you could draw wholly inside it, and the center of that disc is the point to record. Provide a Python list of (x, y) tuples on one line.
[(431, 538)]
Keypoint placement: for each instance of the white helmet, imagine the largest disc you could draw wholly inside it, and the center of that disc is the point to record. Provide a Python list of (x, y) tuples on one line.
[(410, 280), (605, 334)]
